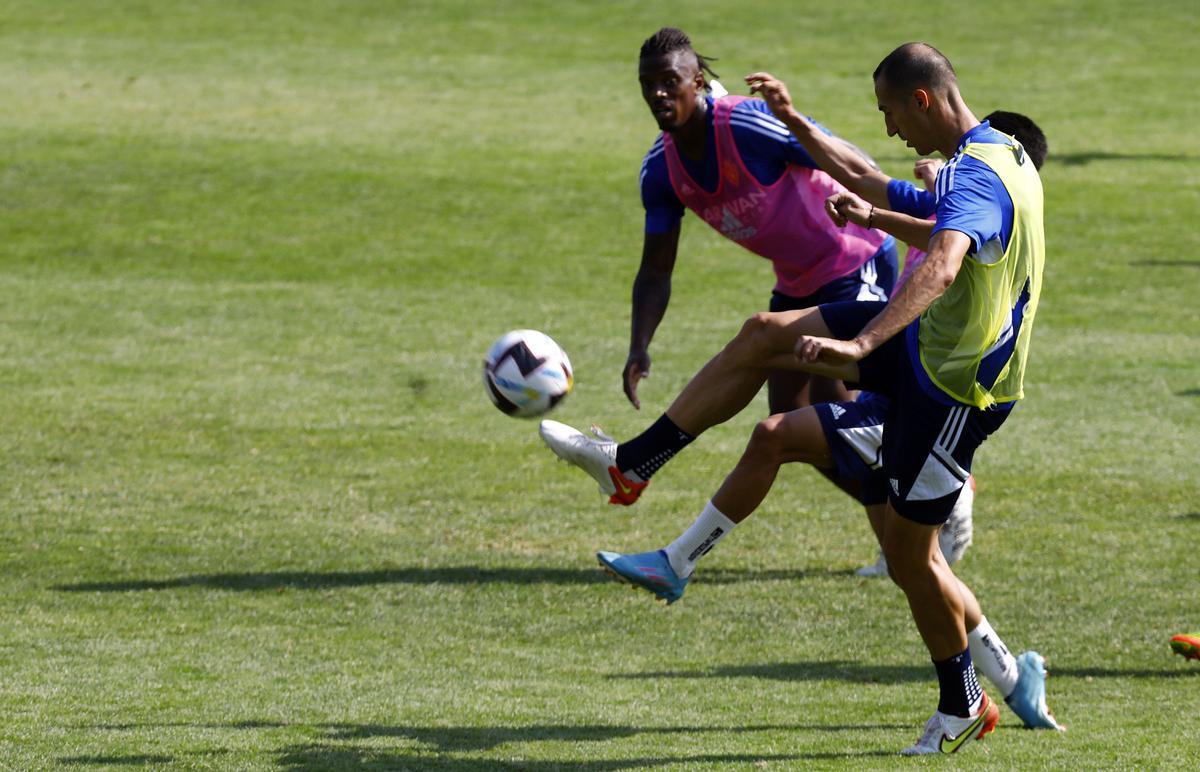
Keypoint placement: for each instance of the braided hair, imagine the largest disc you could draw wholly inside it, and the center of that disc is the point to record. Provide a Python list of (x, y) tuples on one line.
[(668, 40)]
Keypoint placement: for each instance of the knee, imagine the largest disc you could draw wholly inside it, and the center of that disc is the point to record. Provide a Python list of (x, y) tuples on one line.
[(907, 563), (754, 336), (756, 323), (766, 441)]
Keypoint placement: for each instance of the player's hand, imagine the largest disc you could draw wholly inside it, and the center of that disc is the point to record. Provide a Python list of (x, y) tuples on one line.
[(774, 92), (847, 207), (637, 367), (810, 349), (926, 170)]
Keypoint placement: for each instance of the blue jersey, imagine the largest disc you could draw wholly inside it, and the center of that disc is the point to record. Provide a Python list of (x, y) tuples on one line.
[(764, 143), (968, 196), (972, 199), (906, 198)]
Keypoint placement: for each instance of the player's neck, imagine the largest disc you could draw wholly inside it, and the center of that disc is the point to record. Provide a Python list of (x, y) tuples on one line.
[(957, 121), (691, 137)]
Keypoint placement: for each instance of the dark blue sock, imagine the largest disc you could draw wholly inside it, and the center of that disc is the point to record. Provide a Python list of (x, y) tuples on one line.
[(646, 453), (959, 687)]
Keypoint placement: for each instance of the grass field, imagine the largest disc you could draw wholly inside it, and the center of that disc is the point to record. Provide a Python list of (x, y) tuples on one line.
[(259, 513)]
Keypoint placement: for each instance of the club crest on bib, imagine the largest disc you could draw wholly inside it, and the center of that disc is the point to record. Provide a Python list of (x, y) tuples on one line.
[(730, 172)]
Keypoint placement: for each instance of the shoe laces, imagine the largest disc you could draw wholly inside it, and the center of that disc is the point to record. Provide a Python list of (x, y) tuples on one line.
[(596, 430), (933, 727)]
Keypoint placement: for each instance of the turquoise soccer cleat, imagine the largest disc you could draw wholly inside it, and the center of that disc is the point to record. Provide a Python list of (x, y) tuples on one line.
[(648, 570), (1028, 700)]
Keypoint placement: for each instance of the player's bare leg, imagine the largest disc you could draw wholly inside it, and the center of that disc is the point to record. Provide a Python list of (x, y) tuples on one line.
[(937, 603), (730, 380), (777, 440), (715, 394), (934, 593), (950, 620), (780, 439), (792, 390)]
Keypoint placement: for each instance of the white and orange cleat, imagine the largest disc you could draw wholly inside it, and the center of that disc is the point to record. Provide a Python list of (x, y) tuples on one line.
[(947, 734), (595, 455)]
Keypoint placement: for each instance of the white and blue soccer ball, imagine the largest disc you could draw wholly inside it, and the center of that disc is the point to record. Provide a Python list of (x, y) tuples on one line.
[(526, 373)]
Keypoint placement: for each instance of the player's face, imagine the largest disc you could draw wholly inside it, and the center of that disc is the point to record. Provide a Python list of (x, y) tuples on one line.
[(672, 86), (904, 117)]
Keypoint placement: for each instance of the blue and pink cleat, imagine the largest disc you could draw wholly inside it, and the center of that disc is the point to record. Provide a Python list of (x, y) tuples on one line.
[(1028, 699), (649, 570)]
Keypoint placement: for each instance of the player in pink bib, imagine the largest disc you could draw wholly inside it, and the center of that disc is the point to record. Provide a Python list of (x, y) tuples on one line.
[(784, 221), (739, 169)]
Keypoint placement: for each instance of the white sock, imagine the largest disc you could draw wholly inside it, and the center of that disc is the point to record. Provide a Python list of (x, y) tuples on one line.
[(992, 657), (710, 527)]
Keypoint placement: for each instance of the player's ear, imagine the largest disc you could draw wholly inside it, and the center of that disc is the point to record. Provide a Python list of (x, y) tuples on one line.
[(922, 98)]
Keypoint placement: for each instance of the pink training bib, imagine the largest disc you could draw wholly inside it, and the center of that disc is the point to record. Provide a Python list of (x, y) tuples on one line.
[(784, 222)]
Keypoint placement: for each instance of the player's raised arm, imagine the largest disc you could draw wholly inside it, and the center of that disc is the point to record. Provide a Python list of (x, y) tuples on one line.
[(651, 294), (838, 159)]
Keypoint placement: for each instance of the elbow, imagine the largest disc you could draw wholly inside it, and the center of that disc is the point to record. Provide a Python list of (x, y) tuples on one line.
[(856, 182), (944, 279)]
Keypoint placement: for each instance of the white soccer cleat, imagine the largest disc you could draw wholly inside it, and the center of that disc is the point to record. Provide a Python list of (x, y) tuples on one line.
[(959, 529), (947, 734), (593, 456), (597, 456), (878, 568), (954, 536)]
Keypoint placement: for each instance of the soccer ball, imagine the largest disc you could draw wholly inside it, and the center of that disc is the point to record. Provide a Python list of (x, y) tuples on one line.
[(526, 373)]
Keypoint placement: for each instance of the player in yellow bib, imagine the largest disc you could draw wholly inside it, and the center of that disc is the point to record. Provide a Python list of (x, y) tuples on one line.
[(949, 350)]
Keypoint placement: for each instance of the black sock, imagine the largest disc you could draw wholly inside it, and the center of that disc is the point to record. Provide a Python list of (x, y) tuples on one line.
[(959, 687), (645, 453)]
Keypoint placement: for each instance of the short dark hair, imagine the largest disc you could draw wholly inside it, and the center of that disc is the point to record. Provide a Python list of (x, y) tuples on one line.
[(668, 40), (1025, 130), (913, 66)]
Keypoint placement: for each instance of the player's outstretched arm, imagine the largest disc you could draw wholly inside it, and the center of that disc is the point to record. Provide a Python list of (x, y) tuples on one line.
[(931, 278), (838, 159), (651, 294), (847, 207)]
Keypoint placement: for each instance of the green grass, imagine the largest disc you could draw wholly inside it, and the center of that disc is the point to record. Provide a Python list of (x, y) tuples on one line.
[(260, 514)]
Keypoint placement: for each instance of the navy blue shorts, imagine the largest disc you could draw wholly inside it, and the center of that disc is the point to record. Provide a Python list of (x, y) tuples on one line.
[(873, 280), (854, 431), (928, 442)]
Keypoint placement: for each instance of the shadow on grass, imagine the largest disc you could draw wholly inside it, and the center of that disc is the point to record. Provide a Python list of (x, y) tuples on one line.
[(1187, 516), (470, 739), (317, 756), (857, 672), (829, 670), (1188, 393), (322, 580), (135, 760)]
